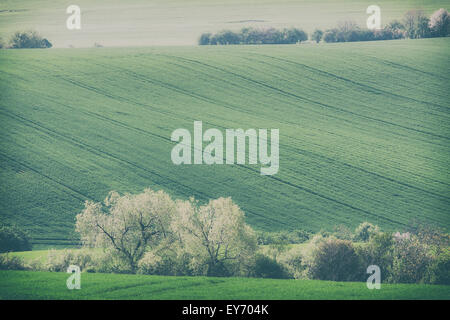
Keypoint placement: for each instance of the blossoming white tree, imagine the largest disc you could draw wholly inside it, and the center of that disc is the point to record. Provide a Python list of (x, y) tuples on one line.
[(216, 235), (440, 22), (127, 224)]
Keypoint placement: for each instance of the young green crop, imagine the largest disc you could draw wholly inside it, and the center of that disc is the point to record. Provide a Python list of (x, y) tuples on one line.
[(52, 285), (364, 130)]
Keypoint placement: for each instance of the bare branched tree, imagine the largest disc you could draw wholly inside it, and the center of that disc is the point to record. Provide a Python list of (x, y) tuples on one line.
[(215, 234), (129, 224)]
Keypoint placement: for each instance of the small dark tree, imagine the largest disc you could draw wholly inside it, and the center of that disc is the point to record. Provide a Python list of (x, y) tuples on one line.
[(423, 29), (205, 39), (330, 35), (294, 35), (396, 29), (416, 24), (317, 35), (378, 251), (266, 267), (227, 37), (395, 26), (28, 39), (335, 260), (13, 239)]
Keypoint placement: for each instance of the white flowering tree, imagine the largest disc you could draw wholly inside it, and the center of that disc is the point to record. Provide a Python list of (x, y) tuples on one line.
[(440, 23), (128, 224), (215, 235)]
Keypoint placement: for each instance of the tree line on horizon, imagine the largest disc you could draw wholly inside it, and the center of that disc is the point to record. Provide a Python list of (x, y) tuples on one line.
[(415, 24)]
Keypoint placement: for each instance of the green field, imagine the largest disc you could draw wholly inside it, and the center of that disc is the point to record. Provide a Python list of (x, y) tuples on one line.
[(52, 285), (364, 130)]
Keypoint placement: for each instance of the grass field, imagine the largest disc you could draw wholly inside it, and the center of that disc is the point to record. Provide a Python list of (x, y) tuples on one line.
[(52, 285), (28, 256), (180, 22), (364, 130)]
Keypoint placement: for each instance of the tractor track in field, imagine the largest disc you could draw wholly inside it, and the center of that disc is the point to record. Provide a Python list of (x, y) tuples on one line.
[(143, 78), (292, 149), (399, 113), (353, 82), (92, 149), (325, 105), (330, 160), (233, 107), (287, 102), (146, 106), (98, 152), (256, 171), (175, 286), (409, 68), (171, 87), (83, 196)]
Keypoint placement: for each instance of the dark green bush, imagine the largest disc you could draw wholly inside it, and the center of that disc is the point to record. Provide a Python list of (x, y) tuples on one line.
[(317, 35), (292, 262), (336, 260), (13, 239), (282, 237), (28, 39), (439, 270), (330, 35), (8, 262), (342, 232), (364, 231), (205, 39), (254, 36), (411, 259), (378, 251), (266, 267)]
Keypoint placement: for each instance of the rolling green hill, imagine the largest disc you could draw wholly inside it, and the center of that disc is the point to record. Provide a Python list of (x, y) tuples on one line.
[(364, 130), (52, 285)]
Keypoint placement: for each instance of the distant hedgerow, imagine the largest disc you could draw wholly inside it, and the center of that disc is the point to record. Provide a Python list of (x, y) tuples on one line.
[(28, 39), (254, 36), (414, 25)]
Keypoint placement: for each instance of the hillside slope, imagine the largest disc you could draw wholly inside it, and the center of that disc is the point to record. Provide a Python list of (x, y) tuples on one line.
[(364, 130)]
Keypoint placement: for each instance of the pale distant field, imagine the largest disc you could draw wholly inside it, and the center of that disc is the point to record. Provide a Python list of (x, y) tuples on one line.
[(180, 22)]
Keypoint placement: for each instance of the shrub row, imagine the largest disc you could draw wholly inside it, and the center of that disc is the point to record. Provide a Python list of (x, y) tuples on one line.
[(421, 256), (26, 39), (282, 237), (415, 24), (402, 258), (254, 36)]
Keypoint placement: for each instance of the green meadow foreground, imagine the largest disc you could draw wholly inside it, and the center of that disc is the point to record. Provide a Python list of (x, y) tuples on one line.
[(52, 285), (364, 130)]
